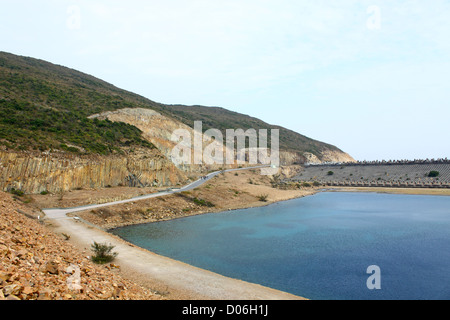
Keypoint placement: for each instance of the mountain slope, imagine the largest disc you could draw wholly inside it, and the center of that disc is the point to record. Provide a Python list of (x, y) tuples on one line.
[(45, 106), (223, 119)]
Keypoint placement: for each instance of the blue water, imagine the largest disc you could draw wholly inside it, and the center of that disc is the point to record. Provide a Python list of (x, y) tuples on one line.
[(319, 247)]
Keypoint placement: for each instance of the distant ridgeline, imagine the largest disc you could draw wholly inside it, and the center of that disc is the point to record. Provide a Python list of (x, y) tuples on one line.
[(401, 173), (46, 107)]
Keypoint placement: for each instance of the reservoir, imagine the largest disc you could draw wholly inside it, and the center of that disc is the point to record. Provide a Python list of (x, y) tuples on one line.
[(319, 247)]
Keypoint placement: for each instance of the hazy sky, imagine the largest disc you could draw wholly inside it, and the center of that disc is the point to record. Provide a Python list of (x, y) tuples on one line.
[(371, 77)]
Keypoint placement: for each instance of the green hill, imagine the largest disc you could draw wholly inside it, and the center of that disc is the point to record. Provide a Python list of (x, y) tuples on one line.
[(44, 106)]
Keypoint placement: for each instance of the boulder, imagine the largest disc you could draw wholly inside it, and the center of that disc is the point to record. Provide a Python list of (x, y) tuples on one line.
[(51, 267)]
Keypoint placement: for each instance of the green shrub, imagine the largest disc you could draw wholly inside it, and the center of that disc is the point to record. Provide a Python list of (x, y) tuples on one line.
[(263, 197), (203, 203), (102, 253), (330, 173), (433, 174), (15, 192)]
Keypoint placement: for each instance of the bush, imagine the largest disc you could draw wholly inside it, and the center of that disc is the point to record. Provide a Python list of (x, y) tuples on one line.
[(433, 174), (15, 192), (103, 253), (330, 173), (203, 203), (263, 197)]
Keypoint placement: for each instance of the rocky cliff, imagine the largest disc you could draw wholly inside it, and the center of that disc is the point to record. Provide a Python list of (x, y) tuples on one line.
[(158, 129), (328, 156), (34, 173)]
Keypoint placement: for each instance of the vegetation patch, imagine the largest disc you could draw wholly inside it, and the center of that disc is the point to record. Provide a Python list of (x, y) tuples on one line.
[(27, 126), (263, 197), (15, 192), (203, 203), (197, 201), (433, 174), (103, 253)]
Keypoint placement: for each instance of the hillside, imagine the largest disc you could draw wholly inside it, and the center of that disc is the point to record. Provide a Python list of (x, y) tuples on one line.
[(63, 130), (46, 106)]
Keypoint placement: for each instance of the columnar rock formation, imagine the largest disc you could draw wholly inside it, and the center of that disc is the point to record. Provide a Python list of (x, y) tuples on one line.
[(35, 173)]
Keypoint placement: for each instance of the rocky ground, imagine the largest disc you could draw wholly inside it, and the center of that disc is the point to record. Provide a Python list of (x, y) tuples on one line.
[(36, 264)]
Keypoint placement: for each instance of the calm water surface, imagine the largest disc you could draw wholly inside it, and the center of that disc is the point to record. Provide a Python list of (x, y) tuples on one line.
[(319, 247)]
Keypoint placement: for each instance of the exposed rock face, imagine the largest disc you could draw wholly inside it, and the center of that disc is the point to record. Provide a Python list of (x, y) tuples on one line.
[(34, 173), (334, 156), (158, 129), (288, 158), (328, 156)]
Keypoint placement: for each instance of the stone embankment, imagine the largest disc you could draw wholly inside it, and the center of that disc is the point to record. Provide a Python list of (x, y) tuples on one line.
[(408, 175), (37, 264)]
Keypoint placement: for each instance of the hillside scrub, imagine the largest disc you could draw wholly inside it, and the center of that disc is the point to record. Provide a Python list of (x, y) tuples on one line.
[(46, 107), (26, 126)]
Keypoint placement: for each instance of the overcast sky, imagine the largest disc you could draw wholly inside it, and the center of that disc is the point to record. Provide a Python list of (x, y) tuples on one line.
[(371, 77)]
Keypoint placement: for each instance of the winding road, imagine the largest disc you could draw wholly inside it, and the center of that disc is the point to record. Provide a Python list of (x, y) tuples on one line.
[(58, 213)]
